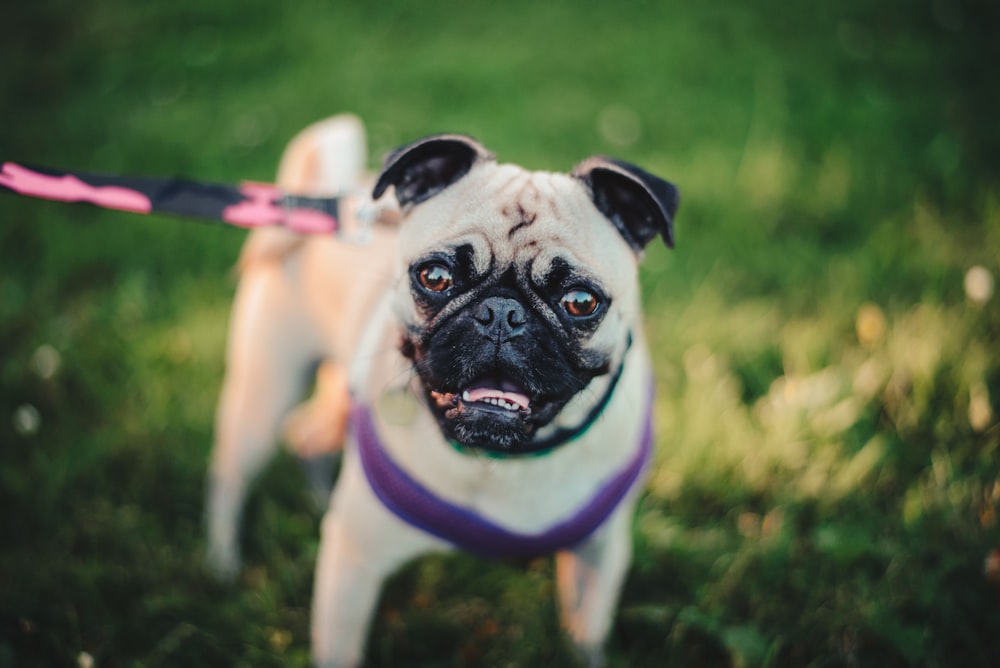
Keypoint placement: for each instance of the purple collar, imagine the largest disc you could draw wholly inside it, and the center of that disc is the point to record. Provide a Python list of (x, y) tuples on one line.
[(421, 508)]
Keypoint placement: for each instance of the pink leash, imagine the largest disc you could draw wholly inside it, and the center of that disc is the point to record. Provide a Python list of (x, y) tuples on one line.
[(243, 205)]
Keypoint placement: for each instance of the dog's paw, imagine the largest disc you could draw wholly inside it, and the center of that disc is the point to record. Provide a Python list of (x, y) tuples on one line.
[(319, 426), (311, 431), (223, 563), (589, 656)]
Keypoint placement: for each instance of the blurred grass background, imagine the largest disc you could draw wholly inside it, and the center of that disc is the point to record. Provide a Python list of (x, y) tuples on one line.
[(827, 481)]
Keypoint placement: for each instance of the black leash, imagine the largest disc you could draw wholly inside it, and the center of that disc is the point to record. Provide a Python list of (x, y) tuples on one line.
[(243, 205)]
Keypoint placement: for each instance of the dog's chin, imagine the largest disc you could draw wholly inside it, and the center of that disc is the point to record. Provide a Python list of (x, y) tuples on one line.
[(495, 418)]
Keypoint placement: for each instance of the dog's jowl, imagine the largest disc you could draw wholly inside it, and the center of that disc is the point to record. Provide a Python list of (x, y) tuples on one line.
[(482, 357)]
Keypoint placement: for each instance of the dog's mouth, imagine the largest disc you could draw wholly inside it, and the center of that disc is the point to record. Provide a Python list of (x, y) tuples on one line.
[(492, 395), (503, 395), (491, 413)]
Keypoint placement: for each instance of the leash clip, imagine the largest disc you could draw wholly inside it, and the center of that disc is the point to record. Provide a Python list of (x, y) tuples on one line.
[(364, 218), (356, 214)]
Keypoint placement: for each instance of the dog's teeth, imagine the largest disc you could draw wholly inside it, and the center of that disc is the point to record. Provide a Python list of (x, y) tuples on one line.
[(499, 402)]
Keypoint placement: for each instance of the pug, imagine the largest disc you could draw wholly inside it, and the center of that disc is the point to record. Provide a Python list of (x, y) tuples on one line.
[(482, 355)]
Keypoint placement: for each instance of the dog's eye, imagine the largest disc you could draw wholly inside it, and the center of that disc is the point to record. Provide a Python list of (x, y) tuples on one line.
[(580, 303), (435, 277)]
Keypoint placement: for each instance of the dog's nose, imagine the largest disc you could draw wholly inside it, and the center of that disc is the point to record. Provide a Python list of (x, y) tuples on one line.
[(500, 316)]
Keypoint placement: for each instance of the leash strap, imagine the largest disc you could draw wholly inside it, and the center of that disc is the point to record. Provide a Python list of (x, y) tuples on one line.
[(416, 505), (244, 205)]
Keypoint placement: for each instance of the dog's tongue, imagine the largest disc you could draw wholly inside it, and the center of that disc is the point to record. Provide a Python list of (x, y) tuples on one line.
[(474, 394)]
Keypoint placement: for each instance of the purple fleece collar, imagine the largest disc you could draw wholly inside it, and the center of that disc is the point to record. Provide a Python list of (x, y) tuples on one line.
[(421, 508)]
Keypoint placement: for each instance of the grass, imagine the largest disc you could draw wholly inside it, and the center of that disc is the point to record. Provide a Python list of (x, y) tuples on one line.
[(827, 481)]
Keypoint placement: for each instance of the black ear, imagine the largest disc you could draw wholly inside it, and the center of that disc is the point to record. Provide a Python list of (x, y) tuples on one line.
[(639, 204), (426, 167)]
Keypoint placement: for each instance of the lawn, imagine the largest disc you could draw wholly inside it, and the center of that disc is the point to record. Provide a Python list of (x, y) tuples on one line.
[(827, 480)]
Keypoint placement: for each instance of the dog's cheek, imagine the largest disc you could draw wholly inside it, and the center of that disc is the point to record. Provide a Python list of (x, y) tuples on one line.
[(606, 346), (404, 308)]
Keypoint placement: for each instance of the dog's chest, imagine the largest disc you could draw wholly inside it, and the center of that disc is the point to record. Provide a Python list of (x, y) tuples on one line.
[(523, 494)]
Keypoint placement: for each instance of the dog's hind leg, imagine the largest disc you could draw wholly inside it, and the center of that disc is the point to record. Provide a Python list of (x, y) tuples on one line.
[(315, 431), (270, 361), (276, 341)]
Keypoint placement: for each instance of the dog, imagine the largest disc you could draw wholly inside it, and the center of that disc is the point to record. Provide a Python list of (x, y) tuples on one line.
[(483, 352)]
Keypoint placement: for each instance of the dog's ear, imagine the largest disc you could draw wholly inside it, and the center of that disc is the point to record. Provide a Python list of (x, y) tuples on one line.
[(639, 204), (426, 167)]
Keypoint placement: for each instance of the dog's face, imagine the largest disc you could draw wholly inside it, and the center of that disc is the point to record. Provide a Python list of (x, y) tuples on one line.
[(516, 289)]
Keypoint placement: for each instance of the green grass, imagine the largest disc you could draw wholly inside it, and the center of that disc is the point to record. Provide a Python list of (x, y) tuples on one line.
[(827, 480)]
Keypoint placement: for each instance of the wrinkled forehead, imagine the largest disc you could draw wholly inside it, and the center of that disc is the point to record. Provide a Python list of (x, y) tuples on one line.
[(509, 216)]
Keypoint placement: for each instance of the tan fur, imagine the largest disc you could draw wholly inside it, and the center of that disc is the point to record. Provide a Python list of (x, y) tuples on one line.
[(318, 426), (305, 301)]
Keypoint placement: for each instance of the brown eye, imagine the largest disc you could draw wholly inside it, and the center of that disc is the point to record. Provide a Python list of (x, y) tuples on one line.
[(580, 303), (435, 277)]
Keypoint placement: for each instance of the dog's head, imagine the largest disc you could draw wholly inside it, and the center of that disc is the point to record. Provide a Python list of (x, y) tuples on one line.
[(517, 289)]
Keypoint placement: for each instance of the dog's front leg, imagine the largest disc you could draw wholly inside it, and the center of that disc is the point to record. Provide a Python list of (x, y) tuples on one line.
[(589, 580), (345, 593), (361, 544)]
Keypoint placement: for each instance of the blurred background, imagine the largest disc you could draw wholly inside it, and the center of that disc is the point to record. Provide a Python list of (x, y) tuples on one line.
[(825, 333)]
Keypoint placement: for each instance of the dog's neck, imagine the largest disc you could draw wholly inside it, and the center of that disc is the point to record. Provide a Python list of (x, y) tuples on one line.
[(419, 506)]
